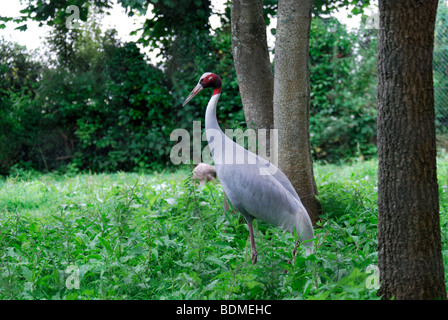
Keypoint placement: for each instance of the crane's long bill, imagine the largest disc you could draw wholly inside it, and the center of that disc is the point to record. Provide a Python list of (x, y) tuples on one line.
[(193, 93)]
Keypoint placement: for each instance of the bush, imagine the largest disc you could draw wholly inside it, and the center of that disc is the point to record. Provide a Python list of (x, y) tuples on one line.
[(18, 76), (343, 91)]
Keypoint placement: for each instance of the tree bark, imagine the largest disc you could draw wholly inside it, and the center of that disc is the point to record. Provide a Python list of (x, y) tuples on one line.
[(409, 242), (292, 99), (252, 64)]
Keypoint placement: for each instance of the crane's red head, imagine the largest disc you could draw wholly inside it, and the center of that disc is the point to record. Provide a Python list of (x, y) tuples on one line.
[(207, 80)]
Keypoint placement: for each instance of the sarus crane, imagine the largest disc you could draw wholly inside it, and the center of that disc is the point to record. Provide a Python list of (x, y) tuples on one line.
[(254, 186)]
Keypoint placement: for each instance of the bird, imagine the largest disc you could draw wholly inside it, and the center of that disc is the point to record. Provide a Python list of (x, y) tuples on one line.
[(255, 187), (204, 173)]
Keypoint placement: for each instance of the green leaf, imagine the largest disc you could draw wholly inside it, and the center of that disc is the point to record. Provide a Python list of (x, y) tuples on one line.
[(27, 273), (22, 27), (106, 244), (216, 261)]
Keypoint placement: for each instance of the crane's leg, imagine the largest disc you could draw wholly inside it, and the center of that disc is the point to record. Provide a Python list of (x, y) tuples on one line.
[(252, 243)]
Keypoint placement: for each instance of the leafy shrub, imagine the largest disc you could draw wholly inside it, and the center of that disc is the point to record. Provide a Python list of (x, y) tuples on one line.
[(18, 75), (343, 91), (160, 236)]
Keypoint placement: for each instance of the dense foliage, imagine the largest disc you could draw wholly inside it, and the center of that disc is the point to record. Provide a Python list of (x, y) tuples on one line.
[(343, 91), (158, 236), (100, 109), (19, 76)]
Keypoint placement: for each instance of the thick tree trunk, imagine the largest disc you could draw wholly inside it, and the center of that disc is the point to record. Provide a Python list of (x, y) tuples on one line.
[(409, 244), (292, 99), (252, 64)]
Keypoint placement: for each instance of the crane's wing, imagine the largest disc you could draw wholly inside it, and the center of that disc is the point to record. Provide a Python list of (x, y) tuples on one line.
[(264, 197), (265, 167), (276, 173), (235, 160)]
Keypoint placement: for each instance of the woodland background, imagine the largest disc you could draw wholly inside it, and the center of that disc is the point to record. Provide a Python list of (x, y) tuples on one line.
[(95, 102)]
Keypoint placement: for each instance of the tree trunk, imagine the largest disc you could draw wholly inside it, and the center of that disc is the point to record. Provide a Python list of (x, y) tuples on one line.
[(252, 64), (409, 243), (292, 99)]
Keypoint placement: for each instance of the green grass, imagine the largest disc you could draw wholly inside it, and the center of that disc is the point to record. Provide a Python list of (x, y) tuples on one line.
[(158, 236)]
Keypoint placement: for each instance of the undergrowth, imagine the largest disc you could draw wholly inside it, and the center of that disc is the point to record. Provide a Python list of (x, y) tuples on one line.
[(160, 236)]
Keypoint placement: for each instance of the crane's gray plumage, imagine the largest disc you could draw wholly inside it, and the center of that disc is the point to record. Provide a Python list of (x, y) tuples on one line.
[(255, 187)]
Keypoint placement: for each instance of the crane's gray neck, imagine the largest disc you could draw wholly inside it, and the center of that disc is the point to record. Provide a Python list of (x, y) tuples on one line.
[(215, 137), (211, 122), (223, 149)]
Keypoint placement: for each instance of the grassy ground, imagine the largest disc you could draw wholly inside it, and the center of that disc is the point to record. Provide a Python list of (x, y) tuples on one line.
[(131, 236)]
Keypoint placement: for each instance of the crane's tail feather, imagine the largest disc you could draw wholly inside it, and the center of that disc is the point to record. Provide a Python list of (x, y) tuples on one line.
[(304, 229)]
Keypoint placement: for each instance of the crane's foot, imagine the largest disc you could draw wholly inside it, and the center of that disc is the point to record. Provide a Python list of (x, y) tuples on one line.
[(254, 257)]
